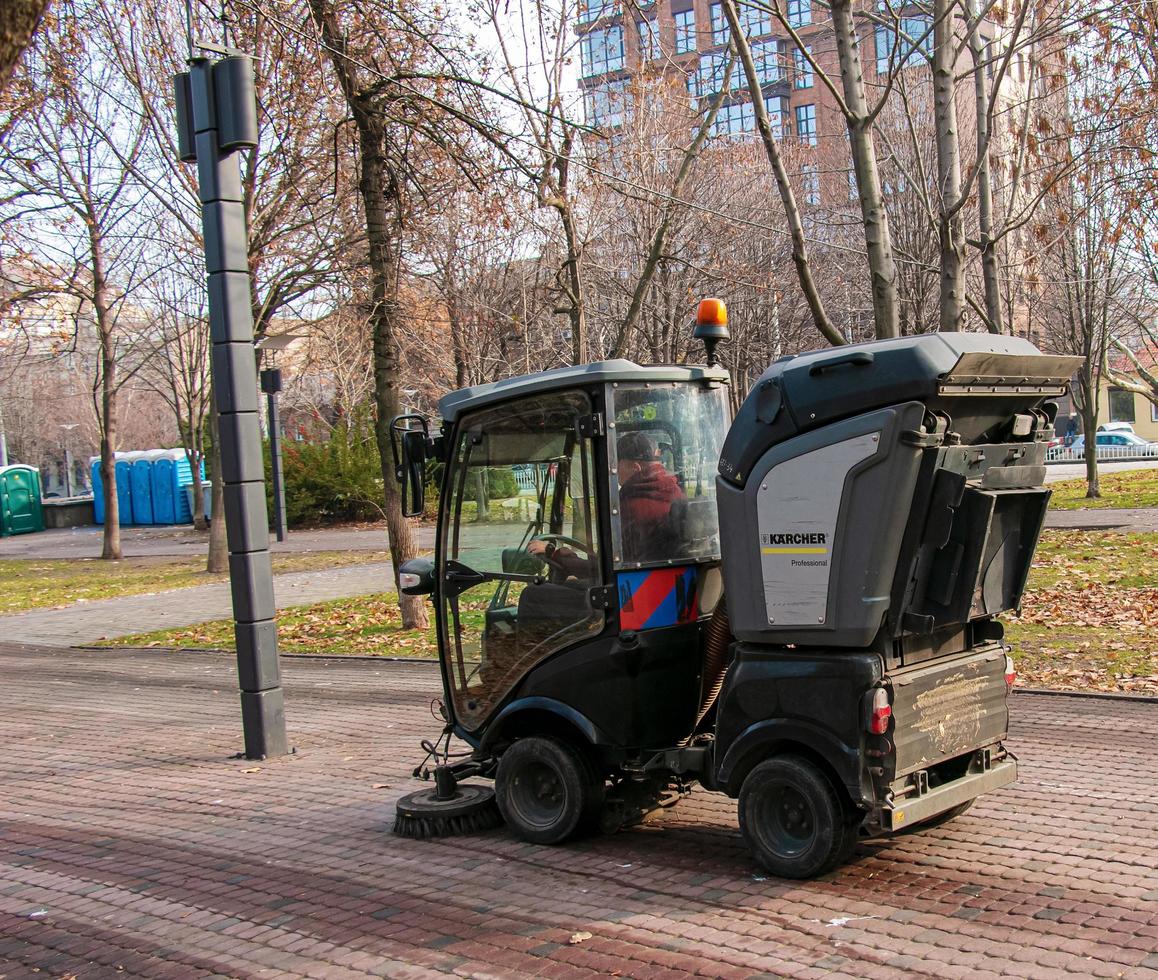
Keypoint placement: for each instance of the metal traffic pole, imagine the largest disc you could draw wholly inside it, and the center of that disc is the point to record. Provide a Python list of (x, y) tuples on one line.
[(271, 385), (216, 118)]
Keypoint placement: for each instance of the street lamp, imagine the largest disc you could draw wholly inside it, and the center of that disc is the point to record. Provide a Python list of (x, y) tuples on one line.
[(271, 384)]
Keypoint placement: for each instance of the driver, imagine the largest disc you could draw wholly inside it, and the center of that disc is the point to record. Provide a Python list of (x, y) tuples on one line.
[(646, 492), (573, 566)]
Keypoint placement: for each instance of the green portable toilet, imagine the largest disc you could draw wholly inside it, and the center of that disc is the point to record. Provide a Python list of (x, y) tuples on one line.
[(20, 507)]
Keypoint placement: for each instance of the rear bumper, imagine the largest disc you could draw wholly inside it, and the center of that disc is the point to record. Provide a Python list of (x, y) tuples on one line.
[(899, 814)]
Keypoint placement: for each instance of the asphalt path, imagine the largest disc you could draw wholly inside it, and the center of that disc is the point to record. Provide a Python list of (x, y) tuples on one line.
[(144, 542)]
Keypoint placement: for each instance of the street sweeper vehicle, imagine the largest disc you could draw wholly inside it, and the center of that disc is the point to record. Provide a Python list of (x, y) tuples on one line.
[(635, 593)]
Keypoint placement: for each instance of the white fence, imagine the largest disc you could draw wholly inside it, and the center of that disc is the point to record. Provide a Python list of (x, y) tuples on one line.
[(1075, 454)]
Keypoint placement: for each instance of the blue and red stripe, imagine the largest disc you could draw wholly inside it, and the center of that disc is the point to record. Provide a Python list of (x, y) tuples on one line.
[(657, 597)]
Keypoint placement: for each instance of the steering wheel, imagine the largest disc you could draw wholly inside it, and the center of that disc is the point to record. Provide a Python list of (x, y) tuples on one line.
[(558, 539)]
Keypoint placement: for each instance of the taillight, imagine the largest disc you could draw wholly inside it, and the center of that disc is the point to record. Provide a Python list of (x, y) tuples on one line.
[(1010, 673), (881, 712)]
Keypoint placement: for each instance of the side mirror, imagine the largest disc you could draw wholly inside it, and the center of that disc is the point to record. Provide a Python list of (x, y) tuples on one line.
[(416, 576), (408, 444)]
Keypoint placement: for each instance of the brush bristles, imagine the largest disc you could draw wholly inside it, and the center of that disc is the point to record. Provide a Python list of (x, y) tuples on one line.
[(421, 828)]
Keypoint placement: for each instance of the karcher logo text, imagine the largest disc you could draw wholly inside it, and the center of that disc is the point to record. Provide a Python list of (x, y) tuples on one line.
[(798, 537)]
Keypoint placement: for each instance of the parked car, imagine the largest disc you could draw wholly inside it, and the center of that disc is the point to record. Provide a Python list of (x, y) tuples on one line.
[(1109, 445), (1125, 443)]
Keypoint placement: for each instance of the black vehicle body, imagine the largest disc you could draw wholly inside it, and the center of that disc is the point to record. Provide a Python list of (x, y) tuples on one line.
[(937, 444)]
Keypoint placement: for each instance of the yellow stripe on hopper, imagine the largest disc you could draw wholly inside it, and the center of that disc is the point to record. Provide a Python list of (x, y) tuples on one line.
[(794, 551)]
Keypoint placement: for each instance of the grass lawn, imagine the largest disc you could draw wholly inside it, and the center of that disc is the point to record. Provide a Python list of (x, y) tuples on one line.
[(1129, 488), (1089, 620), (364, 626), (32, 584)]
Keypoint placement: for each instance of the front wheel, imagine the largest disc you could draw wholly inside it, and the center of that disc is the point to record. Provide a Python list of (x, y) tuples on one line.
[(792, 819), (547, 791)]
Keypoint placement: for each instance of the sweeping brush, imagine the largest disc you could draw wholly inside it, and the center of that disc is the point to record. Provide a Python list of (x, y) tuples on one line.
[(435, 812)]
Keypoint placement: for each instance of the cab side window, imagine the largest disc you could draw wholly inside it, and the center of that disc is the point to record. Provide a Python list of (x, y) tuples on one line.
[(665, 448)]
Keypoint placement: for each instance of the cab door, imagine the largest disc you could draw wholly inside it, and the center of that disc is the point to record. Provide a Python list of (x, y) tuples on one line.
[(520, 550)]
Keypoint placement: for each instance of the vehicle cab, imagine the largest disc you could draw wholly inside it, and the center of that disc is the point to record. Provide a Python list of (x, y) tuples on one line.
[(578, 552)]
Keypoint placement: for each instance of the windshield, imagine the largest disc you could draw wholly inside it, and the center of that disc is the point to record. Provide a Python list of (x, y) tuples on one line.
[(664, 450)]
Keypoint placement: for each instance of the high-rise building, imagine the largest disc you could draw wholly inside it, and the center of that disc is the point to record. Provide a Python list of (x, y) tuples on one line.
[(668, 60), (680, 48)]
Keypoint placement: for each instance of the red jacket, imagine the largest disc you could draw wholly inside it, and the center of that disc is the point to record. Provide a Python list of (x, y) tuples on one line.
[(645, 506)]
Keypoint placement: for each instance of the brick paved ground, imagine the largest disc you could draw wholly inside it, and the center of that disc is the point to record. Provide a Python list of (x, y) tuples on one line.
[(131, 845)]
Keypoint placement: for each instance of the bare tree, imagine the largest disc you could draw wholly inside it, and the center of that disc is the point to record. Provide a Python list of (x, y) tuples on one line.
[(62, 173), (1087, 275), (177, 363), (395, 82), (535, 55), (297, 189)]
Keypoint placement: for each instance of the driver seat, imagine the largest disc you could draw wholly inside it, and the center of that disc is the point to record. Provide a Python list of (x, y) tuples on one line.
[(548, 608)]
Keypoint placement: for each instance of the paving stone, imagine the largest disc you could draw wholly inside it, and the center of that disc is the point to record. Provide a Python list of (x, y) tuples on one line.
[(125, 816)]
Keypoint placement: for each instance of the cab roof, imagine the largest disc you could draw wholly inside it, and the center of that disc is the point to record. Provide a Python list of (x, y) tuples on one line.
[(456, 403)]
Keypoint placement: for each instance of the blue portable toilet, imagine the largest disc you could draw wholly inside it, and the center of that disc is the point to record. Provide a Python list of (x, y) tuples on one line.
[(124, 468), (141, 479), (161, 473), (171, 474), (165, 496), (98, 489), (124, 489)]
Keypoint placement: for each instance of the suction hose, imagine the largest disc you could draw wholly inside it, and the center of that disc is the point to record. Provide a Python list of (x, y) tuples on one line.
[(715, 659)]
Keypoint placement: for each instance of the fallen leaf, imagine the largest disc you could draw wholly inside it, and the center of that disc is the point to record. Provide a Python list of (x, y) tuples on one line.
[(578, 937)]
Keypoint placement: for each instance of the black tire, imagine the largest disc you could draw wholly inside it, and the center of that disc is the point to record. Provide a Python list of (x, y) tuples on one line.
[(792, 818), (547, 790)]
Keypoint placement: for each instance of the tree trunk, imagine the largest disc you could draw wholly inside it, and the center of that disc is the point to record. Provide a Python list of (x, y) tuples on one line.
[(482, 501), (800, 257), (107, 416), (19, 20), (951, 218), (572, 269), (573, 284), (111, 535), (877, 237), (457, 339), (989, 267), (199, 519), (381, 201), (1090, 424)]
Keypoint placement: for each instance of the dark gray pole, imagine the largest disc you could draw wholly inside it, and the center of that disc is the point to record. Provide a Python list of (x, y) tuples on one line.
[(216, 117), (271, 385)]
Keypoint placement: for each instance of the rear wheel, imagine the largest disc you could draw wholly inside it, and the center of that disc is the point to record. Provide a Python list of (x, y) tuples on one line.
[(793, 819), (547, 790)]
